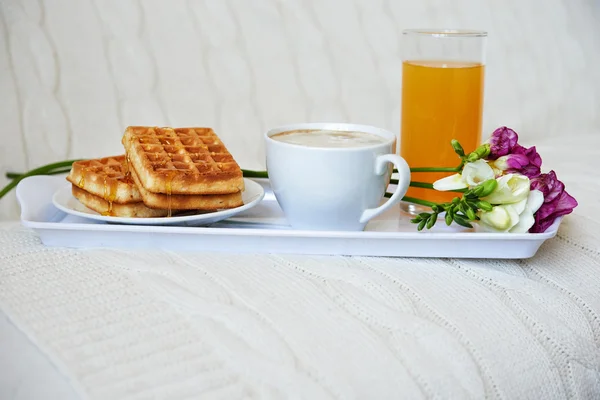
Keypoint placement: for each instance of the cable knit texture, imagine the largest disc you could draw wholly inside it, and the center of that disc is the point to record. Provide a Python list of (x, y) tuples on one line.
[(166, 325), (150, 324)]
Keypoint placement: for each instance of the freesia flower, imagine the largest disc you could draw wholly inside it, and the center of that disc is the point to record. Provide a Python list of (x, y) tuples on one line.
[(500, 219), (472, 175), (502, 142), (535, 160), (557, 202), (477, 172), (523, 161), (527, 209), (511, 161), (512, 188), (514, 218), (452, 182)]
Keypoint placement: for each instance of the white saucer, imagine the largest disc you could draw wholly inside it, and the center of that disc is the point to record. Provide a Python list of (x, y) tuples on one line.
[(251, 196)]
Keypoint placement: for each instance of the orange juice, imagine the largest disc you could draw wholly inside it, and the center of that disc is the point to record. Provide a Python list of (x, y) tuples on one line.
[(441, 101)]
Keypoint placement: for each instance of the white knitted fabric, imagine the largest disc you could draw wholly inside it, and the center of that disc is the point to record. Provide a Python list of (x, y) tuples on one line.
[(163, 325)]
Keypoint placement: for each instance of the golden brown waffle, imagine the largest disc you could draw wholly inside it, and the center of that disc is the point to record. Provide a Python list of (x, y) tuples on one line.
[(207, 202), (182, 161), (98, 204), (107, 178)]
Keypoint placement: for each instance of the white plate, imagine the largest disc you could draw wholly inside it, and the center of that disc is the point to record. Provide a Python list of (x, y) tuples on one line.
[(251, 196), (264, 229)]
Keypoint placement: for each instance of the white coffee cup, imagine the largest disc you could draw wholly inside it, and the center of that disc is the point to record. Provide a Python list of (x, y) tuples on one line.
[(334, 188)]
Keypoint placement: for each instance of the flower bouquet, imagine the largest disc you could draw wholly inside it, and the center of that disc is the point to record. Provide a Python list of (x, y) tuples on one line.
[(503, 189)]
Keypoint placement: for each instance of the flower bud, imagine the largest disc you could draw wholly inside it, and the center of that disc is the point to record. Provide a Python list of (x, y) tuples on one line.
[(448, 219), (472, 157), (483, 151), (431, 221), (484, 205), (462, 221), (488, 187), (457, 148), (471, 214)]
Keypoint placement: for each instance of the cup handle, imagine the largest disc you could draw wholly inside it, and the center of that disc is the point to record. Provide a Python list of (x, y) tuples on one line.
[(403, 182)]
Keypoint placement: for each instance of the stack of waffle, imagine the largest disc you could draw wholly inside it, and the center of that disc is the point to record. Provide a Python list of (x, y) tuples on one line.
[(164, 171)]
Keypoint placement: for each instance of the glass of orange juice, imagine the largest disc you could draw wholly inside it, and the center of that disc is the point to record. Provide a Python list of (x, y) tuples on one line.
[(442, 99)]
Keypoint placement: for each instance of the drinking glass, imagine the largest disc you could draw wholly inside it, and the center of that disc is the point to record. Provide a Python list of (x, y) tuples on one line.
[(442, 99)]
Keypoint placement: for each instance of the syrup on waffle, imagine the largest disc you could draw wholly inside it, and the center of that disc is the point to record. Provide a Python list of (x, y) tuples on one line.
[(190, 161), (107, 178), (102, 206), (202, 202)]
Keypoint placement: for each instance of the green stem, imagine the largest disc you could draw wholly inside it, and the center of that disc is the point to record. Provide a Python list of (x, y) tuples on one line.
[(418, 201), (38, 171), (413, 200), (424, 185), (14, 175), (254, 174), (427, 169)]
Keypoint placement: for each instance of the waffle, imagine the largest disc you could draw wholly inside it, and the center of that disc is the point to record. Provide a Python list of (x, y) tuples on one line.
[(182, 161), (107, 178), (208, 202), (104, 207)]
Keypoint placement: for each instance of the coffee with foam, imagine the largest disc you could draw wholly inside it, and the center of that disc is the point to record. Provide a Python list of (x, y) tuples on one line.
[(329, 138)]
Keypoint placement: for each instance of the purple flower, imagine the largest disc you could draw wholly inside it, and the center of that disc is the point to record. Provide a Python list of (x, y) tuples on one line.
[(531, 153), (557, 201), (502, 142), (510, 156), (522, 160)]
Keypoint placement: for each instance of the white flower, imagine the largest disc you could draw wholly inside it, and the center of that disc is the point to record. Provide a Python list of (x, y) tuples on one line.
[(526, 219), (473, 174), (514, 218), (512, 188), (452, 182), (500, 219), (477, 172)]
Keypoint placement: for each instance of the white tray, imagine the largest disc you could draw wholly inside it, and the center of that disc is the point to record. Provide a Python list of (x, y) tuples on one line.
[(263, 229)]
